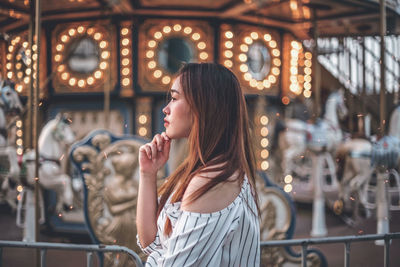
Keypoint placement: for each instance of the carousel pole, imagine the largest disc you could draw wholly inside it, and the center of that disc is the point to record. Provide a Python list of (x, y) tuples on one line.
[(36, 112), (318, 220), (107, 101), (107, 104), (317, 70), (29, 228), (382, 209)]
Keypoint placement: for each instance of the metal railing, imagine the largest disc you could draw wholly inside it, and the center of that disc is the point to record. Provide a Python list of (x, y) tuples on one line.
[(44, 246), (346, 240)]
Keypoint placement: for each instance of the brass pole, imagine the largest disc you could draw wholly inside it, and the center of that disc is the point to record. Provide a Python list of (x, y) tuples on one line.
[(364, 89), (382, 27), (29, 121), (36, 112), (317, 78), (349, 94)]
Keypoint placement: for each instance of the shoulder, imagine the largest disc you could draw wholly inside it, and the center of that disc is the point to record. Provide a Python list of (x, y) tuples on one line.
[(216, 199)]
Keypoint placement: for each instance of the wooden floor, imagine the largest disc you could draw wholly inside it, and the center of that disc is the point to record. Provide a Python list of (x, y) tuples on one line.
[(363, 254)]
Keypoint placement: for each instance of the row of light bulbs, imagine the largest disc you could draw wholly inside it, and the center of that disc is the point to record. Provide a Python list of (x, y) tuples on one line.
[(15, 70), (126, 50), (300, 81), (264, 142)]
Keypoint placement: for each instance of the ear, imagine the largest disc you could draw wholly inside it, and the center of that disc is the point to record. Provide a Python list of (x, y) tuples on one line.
[(58, 116)]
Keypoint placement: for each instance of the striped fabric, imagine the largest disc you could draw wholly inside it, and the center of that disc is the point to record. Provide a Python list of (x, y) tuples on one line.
[(229, 237)]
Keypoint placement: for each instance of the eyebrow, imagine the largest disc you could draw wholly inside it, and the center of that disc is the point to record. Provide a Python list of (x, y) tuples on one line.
[(174, 91)]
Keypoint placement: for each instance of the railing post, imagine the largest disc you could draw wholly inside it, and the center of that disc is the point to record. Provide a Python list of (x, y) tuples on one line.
[(43, 257), (318, 216), (89, 259), (382, 209), (304, 255), (347, 254), (386, 251)]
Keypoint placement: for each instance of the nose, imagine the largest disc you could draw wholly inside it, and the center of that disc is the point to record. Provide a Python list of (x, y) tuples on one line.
[(166, 110)]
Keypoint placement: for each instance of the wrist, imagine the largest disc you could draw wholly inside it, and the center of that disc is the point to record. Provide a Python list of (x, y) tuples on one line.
[(148, 176)]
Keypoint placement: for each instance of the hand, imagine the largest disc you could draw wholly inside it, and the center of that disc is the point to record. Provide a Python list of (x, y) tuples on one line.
[(153, 155)]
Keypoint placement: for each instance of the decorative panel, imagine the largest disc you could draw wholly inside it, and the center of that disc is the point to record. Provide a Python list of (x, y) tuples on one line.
[(84, 58), (19, 67), (254, 55), (165, 45)]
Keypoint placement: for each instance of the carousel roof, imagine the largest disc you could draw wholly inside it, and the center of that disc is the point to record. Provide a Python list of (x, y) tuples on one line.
[(334, 17)]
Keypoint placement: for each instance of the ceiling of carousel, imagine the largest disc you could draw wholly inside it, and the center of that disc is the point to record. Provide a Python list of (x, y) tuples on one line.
[(334, 17)]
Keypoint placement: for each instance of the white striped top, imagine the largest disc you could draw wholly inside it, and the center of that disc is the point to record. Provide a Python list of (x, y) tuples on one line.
[(229, 237)]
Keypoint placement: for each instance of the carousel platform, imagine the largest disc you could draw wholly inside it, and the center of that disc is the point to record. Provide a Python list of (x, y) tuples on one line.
[(363, 254)]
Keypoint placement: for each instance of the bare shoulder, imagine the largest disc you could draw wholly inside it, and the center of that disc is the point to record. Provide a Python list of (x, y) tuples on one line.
[(215, 199)]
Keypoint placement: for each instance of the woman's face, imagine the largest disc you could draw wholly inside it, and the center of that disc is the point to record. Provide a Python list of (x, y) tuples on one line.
[(178, 116)]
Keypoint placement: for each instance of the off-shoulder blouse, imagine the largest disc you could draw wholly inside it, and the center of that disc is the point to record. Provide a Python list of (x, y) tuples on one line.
[(229, 237)]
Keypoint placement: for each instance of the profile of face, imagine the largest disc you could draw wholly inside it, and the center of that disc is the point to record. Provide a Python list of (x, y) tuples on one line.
[(178, 115)]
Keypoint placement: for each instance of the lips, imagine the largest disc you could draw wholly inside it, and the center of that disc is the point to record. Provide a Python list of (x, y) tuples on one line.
[(166, 122)]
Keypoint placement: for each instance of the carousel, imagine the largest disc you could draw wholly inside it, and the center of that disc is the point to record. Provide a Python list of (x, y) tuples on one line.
[(83, 84)]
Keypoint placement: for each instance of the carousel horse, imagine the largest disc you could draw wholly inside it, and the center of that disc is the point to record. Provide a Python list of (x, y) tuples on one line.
[(358, 172), (9, 105), (293, 139), (54, 140)]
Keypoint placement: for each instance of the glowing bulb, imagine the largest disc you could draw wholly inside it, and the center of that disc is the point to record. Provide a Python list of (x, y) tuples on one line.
[(264, 165), (201, 45), (167, 29), (228, 63), (97, 36), (142, 131), (229, 34), (254, 35), (166, 80), (124, 31), (187, 30), (177, 27), (152, 64), (196, 36), (125, 41), (203, 55), (126, 81), (72, 81), (142, 119), (151, 43), (264, 120)]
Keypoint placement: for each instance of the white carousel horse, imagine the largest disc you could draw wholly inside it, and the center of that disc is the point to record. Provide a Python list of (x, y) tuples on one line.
[(293, 140), (54, 140), (9, 104), (358, 171)]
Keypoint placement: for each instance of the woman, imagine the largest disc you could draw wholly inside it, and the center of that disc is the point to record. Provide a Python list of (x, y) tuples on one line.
[(207, 212)]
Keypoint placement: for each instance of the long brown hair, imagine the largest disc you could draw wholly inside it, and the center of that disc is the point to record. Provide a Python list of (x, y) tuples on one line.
[(219, 139)]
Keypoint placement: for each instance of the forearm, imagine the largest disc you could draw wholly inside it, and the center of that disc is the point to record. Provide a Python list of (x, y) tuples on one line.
[(146, 210)]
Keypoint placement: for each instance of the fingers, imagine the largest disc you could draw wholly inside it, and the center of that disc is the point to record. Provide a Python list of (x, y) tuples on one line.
[(160, 143), (146, 149), (164, 136)]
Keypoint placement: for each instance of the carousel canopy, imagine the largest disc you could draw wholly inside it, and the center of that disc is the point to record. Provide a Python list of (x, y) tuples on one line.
[(334, 17)]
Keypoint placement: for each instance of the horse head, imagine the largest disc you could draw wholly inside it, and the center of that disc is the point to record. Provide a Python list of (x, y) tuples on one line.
[(9, 98), (62, 131)]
